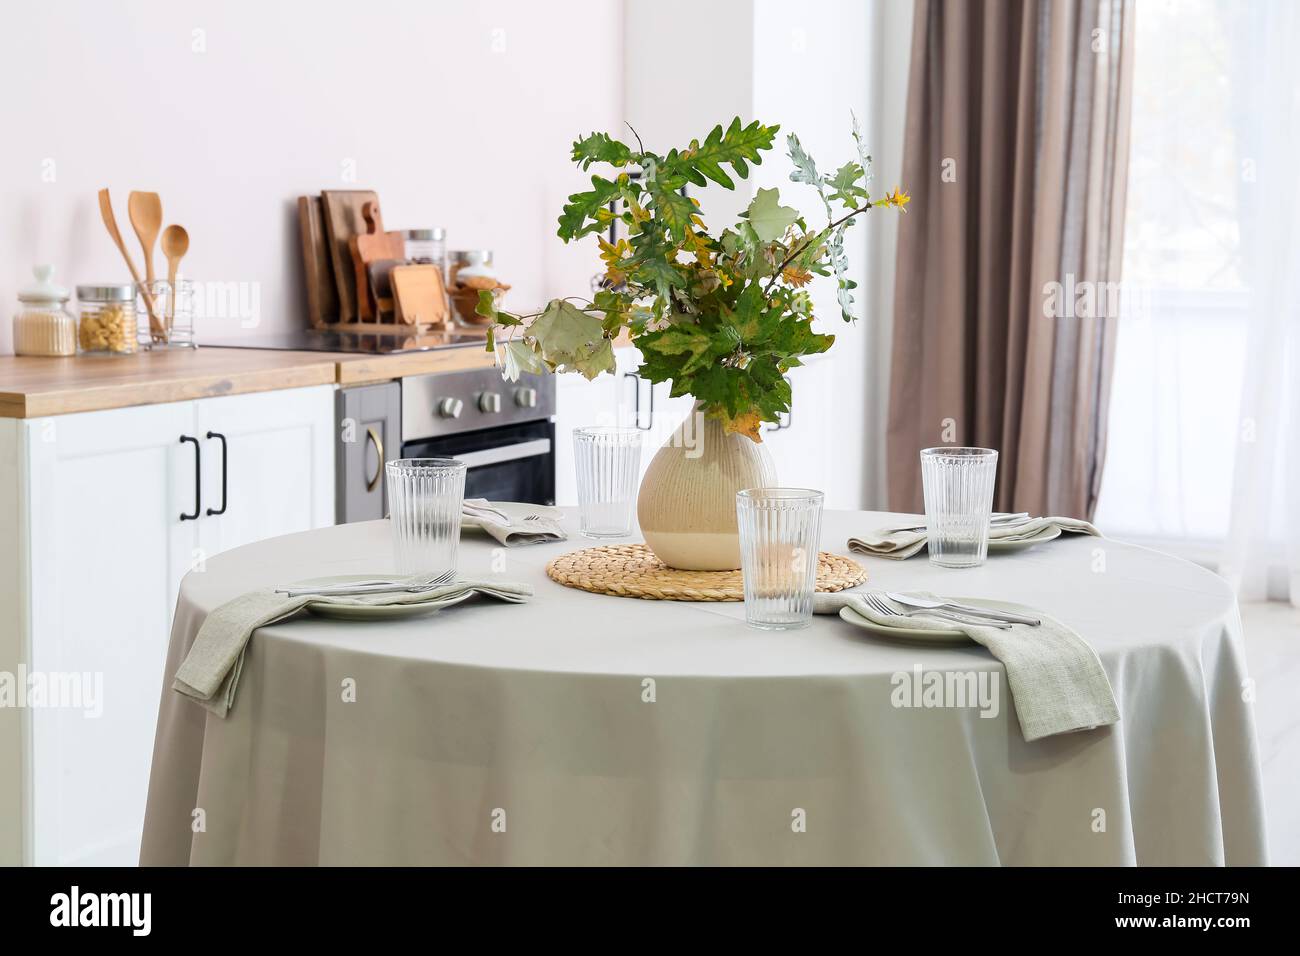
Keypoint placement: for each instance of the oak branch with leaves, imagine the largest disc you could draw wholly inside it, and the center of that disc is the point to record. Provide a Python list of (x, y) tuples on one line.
[(722, 317)]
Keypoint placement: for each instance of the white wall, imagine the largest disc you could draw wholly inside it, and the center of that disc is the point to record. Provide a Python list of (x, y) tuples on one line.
[(458, 113), (804, 66)]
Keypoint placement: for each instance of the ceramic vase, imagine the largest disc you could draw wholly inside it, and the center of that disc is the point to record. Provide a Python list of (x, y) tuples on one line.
[(687, 504)]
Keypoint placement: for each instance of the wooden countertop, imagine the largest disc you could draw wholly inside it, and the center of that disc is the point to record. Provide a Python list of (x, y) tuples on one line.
[(35, 387)]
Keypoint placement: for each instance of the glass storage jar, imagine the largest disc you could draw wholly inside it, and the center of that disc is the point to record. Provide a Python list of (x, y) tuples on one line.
[(427, 246), (44, 325), (108, 321)]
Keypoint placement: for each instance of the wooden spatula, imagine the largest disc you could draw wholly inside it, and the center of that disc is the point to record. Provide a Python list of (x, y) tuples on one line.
[(110, 223), (145, 212)]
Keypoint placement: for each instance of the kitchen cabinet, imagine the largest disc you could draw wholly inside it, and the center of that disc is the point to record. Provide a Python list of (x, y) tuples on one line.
[(112, 509)]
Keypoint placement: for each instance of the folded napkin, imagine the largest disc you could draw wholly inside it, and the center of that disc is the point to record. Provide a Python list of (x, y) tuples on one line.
[(904, 544), (210, 672), (508, 521), (1055, 677)]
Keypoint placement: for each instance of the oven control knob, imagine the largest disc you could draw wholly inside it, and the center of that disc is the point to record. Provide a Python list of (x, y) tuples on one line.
[(450, 407), (526, 397), (489, 403)]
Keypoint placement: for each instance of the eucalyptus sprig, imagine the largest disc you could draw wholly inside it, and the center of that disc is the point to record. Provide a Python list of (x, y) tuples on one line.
[(722, 317)]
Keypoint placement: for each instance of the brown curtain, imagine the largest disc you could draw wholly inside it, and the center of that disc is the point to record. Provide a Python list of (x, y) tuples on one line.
[(1016, 155)]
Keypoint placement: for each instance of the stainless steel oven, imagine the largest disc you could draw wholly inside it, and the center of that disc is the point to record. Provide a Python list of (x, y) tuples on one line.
[(501, 430)]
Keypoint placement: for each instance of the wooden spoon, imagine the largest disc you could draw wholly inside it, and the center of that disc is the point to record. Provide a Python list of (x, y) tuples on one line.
[(110, 223), (145, 212), (175, 243)]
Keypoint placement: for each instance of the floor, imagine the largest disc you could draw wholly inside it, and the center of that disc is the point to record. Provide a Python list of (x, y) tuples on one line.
[(1272, 634)]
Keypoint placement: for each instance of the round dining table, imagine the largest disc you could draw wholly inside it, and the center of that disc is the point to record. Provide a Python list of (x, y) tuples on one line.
[(590, 729)]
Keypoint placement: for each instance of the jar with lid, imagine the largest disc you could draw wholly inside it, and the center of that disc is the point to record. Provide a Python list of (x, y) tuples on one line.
[(44, 325), (471, 262), (108, 322), (427, 246)]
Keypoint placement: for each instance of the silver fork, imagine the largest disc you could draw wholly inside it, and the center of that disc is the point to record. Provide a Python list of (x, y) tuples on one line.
[(878, 605), (379, 588)]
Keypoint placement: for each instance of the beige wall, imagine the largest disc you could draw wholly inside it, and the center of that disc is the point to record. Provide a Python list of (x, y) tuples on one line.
[(459, 113)]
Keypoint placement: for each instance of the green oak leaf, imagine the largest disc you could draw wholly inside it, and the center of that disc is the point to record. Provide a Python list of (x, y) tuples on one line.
[(688, 340), (737, 146), (672, 208), (845, 185), (563, 331), (584, 206), (768, 217), (600, 148)]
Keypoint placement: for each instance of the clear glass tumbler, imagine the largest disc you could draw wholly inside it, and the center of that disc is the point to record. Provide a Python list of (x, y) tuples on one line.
[(780, 531), (958, 484), (608, 461), (425, 496)]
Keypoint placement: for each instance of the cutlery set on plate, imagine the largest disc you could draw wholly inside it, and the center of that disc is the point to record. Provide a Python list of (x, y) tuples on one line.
[(899, 604)]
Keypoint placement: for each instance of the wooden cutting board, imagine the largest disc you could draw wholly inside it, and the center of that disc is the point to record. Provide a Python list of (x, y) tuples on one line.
[(372, 245), (419, 295), (342, 209), (322, 293), (379, 283)]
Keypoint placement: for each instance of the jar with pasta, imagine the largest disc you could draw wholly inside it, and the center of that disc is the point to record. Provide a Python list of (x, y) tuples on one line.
[(108, 322)]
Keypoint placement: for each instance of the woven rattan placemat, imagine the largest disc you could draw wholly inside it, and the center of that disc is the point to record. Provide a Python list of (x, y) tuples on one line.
[(632, 570)]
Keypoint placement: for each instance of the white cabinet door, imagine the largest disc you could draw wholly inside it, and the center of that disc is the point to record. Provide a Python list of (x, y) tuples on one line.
[(277, 452), (105, 493)]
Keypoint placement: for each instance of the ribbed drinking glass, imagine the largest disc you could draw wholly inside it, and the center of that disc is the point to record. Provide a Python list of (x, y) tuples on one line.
[(608, 460), (780, 530), (958, 485), (425, 496)]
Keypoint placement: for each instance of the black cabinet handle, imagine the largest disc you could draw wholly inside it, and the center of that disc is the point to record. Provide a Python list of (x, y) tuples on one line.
[(636, 407), (225, 453), (198, 478)]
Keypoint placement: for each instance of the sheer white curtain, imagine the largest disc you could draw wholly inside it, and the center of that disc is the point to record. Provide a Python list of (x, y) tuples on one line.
[(1206, 402), (1262, 557)]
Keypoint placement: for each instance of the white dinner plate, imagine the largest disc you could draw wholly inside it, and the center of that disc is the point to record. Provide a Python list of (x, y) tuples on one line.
[(374, 612), (932, 637), (1002, 545)]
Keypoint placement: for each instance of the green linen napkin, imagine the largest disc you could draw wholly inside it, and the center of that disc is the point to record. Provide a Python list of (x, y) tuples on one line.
[(903, 544), (1055, 677), (209, 675), (516, 529)]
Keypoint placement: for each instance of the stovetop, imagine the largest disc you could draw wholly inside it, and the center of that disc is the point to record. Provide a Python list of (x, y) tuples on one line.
[(366, 343)]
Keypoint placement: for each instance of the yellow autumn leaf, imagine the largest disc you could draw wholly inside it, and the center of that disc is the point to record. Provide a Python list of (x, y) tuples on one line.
[(746, 423), (612, 255), (796, 277)]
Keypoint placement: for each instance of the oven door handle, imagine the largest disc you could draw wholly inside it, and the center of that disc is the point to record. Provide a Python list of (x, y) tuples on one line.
[(494, 456)]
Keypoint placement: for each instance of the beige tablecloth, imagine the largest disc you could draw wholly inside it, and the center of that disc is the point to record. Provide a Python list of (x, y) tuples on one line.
[(585, 729)]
